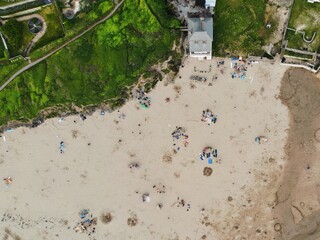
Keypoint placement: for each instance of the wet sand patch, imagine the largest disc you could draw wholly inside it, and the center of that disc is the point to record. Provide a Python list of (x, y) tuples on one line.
[(298, 207)]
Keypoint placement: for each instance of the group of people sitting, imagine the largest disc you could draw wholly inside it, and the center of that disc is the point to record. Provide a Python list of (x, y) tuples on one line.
[(209, 117), (180, 132), (144, 100), (208, 153)]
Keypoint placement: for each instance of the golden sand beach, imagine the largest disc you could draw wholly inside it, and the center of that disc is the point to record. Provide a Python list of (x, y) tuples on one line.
[(124, 176)]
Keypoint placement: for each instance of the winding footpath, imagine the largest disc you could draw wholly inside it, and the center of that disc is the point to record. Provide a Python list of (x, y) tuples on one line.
[(44, 26), (30, 65)]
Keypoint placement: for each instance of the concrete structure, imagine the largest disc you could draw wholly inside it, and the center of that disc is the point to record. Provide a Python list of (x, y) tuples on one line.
[(200, 35), (210, 3)]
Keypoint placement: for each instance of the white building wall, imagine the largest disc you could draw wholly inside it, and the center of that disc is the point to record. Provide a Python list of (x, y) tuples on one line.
[(210, 3), (202, 56)]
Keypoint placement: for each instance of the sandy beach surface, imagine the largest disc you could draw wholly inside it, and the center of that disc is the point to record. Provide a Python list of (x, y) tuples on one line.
[(49, 189)]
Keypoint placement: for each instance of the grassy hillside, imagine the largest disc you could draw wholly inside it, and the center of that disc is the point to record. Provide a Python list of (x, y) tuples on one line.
[(13, 33), (54, 25), (239, 27), (96, 67), (304, 17)]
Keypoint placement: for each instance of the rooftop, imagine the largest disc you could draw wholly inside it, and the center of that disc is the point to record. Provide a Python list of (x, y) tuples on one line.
[(200, 32)]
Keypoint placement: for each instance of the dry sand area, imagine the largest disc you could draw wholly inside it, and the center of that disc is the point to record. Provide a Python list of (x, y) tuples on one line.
[(49, 189)]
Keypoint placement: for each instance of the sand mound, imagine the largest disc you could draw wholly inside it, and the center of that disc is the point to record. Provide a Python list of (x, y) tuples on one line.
[(106, 218)]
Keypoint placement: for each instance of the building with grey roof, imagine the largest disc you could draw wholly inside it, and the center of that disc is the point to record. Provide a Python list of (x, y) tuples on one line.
[(200, 35)]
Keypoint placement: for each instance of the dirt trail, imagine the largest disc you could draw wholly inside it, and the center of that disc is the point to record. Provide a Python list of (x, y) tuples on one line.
[(298, 205)]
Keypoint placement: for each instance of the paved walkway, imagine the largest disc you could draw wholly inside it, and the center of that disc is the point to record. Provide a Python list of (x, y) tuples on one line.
[(44, 25), (30, 65)]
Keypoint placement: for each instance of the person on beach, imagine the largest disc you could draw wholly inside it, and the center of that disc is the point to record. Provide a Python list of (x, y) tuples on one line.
[(7, 180)]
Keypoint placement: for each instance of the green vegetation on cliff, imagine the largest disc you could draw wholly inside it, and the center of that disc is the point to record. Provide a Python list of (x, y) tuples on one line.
[(96, 67)]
